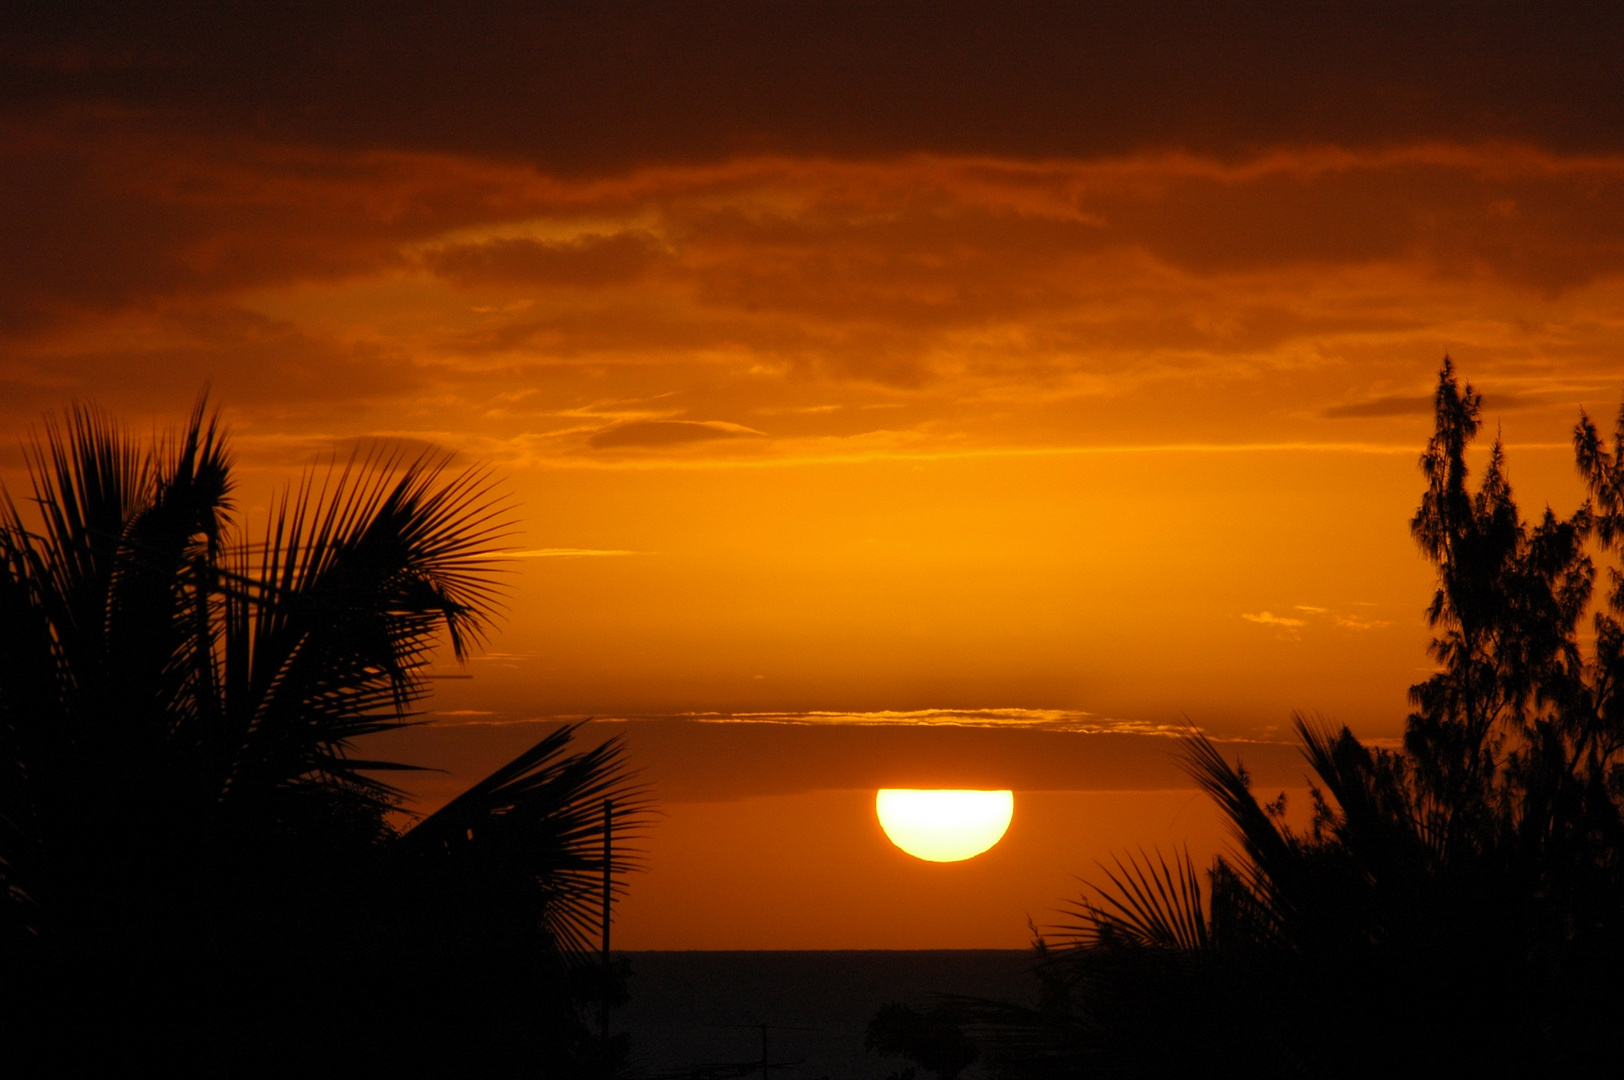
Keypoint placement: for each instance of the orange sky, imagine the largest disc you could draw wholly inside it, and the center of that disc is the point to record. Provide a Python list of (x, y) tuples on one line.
[(884, 381)]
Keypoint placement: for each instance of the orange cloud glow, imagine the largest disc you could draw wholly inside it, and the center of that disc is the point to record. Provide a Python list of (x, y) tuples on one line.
[(847, 459)]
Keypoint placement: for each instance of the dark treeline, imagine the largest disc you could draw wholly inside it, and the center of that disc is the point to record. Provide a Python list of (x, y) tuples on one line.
[(1456, 907), (197, 868)]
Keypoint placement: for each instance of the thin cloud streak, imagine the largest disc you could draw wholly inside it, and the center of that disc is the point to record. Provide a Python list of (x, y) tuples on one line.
[(1265, 618), (1062, 720), (792, 460), (563, 553)]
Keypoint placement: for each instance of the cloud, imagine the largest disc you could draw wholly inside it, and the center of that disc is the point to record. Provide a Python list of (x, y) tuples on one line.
[(1267, 619), (981, 301), (399, 450), (1420, 405), (121, 213), (588, 261), (157, 360), (1073, 720), (1353, 623), (1347, 622), (582, 89), (654, 434), (1390, 405), (562, 553), (114, 212)]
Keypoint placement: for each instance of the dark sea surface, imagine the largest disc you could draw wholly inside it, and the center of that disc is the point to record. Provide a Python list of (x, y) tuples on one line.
[(689, 1009)]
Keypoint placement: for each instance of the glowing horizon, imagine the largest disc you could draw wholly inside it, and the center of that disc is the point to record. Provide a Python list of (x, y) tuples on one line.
[(987, 420)]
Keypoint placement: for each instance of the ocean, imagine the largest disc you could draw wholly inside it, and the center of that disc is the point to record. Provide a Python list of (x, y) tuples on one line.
[(689, 1010)]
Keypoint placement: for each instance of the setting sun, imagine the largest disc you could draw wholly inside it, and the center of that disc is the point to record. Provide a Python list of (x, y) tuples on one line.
[(944, 826), (549, 503)]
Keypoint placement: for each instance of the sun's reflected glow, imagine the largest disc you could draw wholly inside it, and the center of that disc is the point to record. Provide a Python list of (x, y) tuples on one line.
[(944, 826)]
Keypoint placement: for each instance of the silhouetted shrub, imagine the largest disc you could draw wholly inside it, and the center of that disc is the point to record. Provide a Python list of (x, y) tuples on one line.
[(196, 868), (1456, 907)]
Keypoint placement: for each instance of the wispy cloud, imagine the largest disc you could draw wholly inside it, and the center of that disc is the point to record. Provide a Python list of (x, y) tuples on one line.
[(1072, 720), (1320, 614), (660, 434), (1266, 618), (563, 553), (1353, 623), (989, 306), (1036, 719), (1422, 405)]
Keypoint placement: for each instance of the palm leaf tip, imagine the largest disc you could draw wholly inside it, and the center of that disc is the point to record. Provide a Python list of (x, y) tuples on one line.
[(1147, 904), (540, 820)]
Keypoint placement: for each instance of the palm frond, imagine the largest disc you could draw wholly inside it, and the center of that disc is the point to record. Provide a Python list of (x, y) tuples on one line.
[(336, 616), (89, 479), (181, 794), (537, 823), (1149, 904), (1270, 865), (158, 632), (1375, 814)]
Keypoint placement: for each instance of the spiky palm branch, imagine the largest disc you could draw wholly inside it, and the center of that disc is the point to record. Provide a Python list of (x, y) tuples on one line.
[(1469, 883), (1146, 905), (543, 809), (180, 713)]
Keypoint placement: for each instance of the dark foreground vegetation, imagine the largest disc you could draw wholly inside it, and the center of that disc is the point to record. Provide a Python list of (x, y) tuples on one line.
[(1456, 907), (196, 867)]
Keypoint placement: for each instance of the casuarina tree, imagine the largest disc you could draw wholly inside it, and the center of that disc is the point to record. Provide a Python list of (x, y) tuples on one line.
[(1456, 905)]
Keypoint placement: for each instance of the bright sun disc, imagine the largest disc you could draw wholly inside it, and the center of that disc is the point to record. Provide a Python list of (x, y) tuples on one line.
[(944, 826)]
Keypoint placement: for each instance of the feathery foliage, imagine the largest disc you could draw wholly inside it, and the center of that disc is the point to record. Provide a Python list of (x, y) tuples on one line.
[(1455, 907), (188, 830)]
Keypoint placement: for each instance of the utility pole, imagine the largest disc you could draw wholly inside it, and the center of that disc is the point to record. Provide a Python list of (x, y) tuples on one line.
[(608, 897)]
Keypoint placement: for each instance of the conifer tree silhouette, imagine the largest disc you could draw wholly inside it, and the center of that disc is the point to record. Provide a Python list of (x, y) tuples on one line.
[(1456, 907)]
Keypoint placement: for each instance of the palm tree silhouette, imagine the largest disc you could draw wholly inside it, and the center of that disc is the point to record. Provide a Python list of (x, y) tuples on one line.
[(1455, 907), (194, 858)]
